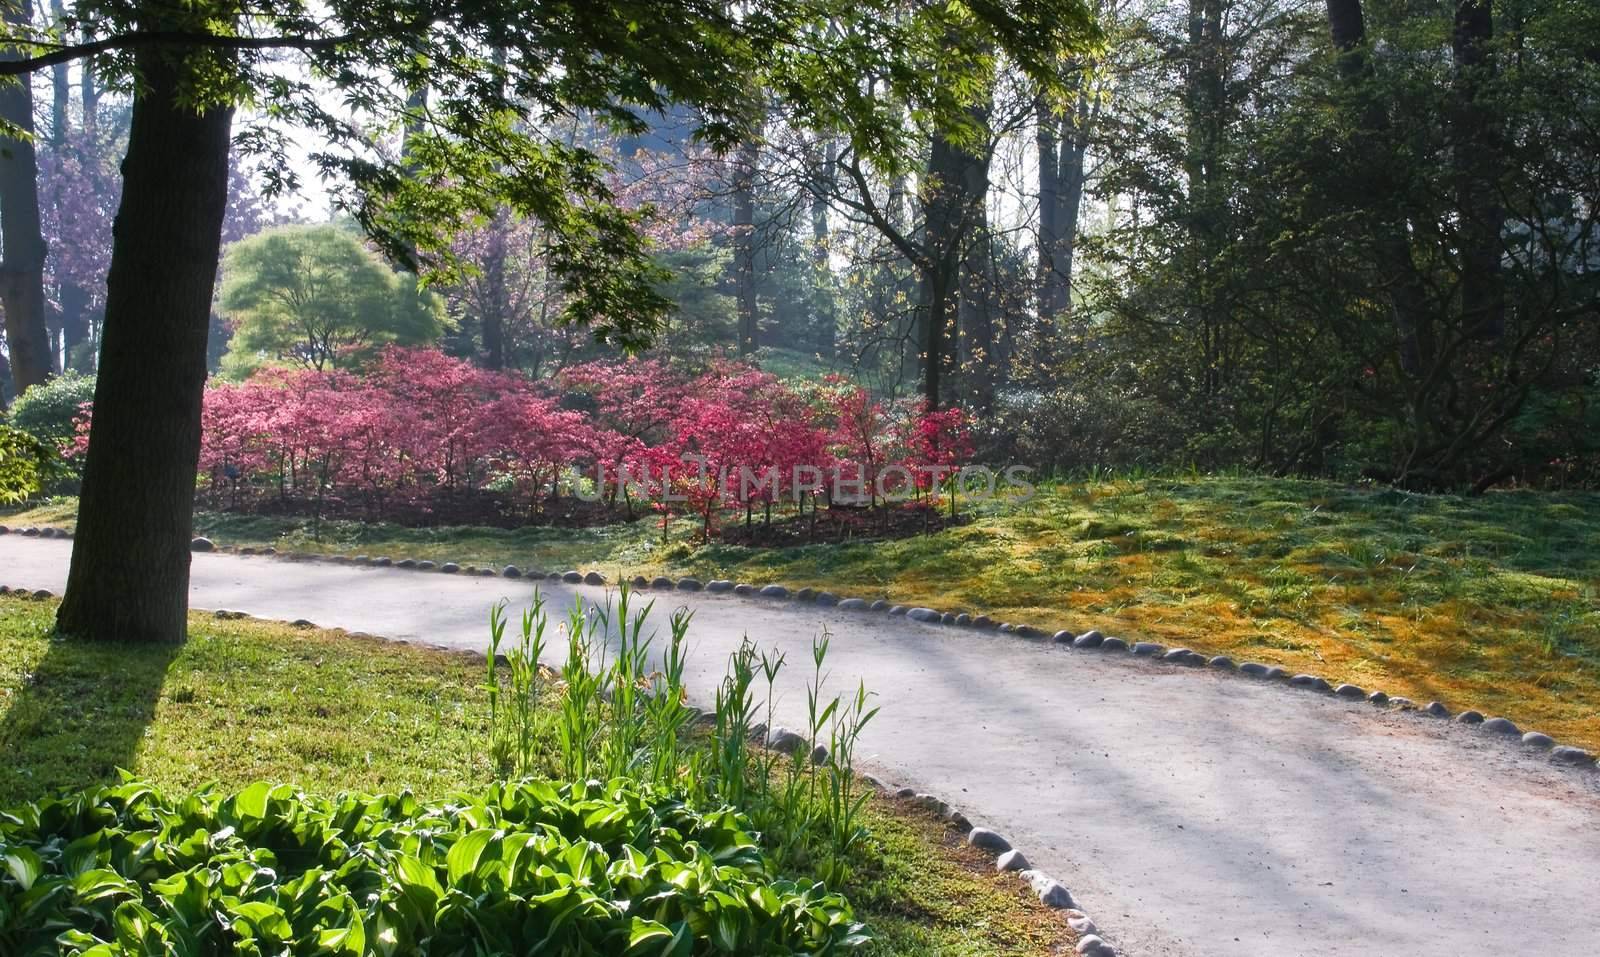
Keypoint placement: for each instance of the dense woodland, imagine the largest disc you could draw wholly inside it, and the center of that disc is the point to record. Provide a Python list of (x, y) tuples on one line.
[(1345, 239), (1353, 238)]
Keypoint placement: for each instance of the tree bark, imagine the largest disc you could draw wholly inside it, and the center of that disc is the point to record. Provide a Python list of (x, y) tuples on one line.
[(89, 91), (1349, 28), (129, 578), (493, 305), (1070, 182), (1052, 284), (941, 257), (1477, 169), (1391, 248), (744, 244), (1203, 131), (22, 265), (974, 312), (60, 85), (74, 299), (821, 268)]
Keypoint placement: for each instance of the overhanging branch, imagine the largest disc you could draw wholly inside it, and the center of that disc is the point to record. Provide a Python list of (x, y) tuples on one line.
[(171, 38)]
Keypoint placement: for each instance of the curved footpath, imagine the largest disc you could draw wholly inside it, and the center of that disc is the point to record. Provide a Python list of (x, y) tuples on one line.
[(1192, 813)]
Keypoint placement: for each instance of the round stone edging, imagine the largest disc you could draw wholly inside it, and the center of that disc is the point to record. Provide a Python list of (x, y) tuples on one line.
[(1568, 756), (1007, 859), (1051, 893), (1564, 755)]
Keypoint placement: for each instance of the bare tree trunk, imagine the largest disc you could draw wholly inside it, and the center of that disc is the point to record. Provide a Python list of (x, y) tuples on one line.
[(744, 244), (1392, 248), (1070, 182), (129, 579), (1203, 120), (22, 259), (493, 305), (60, 85), (975, 314), (73, 298), (821, 268), (1052, 284), (89, 90), (1477, 170), (948, 222)]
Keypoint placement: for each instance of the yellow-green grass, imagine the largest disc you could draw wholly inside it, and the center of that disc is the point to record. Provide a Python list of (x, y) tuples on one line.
[(244, 700), (1490, 602)]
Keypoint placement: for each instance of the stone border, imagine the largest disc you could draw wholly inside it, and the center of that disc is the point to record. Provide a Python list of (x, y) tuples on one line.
[(1007, 859), (1560, 754), (1050, 892)]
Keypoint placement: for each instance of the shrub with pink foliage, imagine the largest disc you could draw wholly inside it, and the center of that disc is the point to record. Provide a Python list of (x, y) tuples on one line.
[(423, 436)]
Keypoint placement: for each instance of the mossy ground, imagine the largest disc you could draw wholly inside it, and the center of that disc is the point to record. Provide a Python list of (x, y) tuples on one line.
[(245, 700), (1490, 602)]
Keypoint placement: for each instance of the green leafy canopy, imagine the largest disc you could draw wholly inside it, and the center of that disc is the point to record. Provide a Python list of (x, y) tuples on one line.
[(483, 89), (315, 297)]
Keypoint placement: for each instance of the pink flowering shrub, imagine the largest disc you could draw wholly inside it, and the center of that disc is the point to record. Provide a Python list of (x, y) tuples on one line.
[(420, 433)]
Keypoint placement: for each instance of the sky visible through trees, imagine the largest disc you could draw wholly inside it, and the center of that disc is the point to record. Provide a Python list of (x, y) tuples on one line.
[(1350, 239)]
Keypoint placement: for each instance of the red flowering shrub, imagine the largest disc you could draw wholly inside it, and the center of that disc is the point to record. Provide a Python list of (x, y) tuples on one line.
[(420, 433)]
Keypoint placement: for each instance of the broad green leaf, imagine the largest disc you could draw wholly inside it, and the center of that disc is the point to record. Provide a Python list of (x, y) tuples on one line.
[(466, 853), (24, 865)]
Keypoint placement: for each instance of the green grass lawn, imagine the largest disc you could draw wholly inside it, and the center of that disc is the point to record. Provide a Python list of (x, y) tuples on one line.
[(245, 700), (1490, 602)]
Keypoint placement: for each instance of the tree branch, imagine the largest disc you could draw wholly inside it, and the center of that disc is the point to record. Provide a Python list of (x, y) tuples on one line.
[(174, 38)]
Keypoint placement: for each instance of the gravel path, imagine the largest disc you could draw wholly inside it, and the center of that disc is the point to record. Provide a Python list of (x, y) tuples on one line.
[(1192, 813)]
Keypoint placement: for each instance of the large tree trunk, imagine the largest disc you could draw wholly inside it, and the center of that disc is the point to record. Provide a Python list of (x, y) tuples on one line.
[(22, 259), (130, 560), (60, 84), (1063, 145), (1349, 29), (744, 244)]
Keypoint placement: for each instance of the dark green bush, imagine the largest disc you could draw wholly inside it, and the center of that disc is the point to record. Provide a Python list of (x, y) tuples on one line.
[(27, 465), (524, 868), (49, 411)]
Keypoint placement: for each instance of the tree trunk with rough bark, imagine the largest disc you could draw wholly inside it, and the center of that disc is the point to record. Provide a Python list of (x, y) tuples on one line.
[(493, 305), (1392, 248), (744, 244), (22, 256), (941, 258), (1052, 284), (1070, 183), (974, 311), (74, 299), (1477, 170), (129, 579), (821, 268)]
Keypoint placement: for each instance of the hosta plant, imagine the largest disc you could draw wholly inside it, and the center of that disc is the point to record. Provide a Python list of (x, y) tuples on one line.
[(524, 868)]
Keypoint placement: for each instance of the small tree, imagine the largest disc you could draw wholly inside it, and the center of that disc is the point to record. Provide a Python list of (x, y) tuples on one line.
[(315, 297)]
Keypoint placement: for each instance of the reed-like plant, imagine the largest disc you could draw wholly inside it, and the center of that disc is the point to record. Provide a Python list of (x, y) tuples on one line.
[(514, 723), (621, 715)]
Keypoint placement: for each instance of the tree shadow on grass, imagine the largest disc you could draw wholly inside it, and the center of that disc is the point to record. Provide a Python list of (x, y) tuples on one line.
[(77, 715)]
